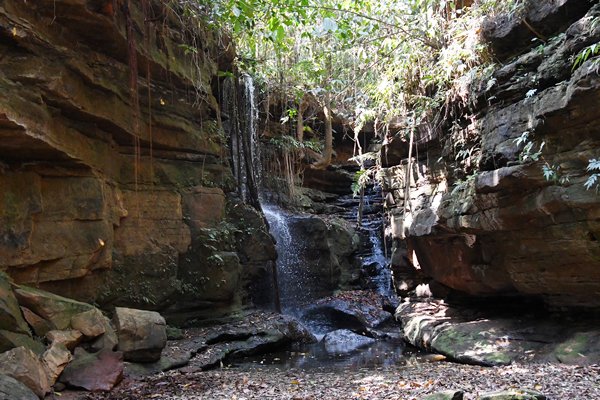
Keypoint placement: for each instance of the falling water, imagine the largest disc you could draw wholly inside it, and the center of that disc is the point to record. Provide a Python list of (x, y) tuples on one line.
[(252, 129)]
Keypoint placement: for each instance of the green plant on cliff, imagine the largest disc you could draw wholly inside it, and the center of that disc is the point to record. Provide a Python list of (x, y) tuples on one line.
[(588, 52), (594, 179)]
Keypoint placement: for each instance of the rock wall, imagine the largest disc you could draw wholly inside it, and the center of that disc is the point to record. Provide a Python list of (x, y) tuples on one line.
[(482, 219), (114, 177)]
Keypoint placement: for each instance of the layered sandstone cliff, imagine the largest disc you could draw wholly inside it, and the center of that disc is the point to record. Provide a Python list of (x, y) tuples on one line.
[(482, 219), (114, 179)]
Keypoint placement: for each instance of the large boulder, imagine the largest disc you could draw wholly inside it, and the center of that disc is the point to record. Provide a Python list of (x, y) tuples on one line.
[(11, 389), (142, 334), (94, 371), (344, 341), (489, 337), (25, 366)]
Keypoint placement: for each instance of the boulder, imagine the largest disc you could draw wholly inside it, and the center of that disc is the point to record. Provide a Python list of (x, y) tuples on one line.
[(94, 371), (25, 366), (581, 348), (343, 341), (355, 310), (56, 309), (11, 389), (108, 340), (10, 340), (513, 394), (255, 333), (90, 323), (10, 314), (55, 360), (70, 338), (39, 325), (142, 334), (467, 337)]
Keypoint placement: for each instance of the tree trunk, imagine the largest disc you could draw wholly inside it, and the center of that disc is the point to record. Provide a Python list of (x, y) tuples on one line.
[(328, 151)]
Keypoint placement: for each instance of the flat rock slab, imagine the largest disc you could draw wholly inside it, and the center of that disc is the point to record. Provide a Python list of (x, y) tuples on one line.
[(255, 333), (486, 339)]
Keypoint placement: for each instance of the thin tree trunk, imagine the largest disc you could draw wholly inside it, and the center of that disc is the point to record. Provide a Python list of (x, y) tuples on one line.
[(407, 206), (328, 151)]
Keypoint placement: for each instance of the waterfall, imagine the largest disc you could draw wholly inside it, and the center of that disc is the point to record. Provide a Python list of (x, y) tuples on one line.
[(241, 124), (294, 284)]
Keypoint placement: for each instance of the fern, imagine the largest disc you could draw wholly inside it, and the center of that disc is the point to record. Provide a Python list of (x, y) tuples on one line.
[(594, 178), (585, 54)]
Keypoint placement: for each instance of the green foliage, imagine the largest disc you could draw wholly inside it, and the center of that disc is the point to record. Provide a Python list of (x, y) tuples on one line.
[(528, 153), (594, 179), (553, 173), (585, 54), (286, 142)]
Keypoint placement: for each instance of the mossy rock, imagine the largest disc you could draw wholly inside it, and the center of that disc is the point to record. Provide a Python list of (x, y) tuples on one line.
[(10, 313), (56, 309), (445, 395), (10, 340), (517, 394)]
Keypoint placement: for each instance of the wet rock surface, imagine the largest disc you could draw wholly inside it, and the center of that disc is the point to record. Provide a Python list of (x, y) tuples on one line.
[(355, 310), (344, 341)]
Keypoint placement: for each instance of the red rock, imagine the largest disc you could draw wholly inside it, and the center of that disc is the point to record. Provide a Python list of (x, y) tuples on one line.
[(94, 371)]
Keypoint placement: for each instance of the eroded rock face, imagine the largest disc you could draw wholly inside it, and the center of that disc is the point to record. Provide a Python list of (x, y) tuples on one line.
[(506, 229), (102, 191)]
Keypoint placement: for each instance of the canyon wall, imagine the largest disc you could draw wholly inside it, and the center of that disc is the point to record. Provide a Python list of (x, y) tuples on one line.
[(115, 186), (481, 217)]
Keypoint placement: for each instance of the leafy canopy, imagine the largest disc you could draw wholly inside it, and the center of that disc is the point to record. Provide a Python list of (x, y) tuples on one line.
[(388, 58)]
